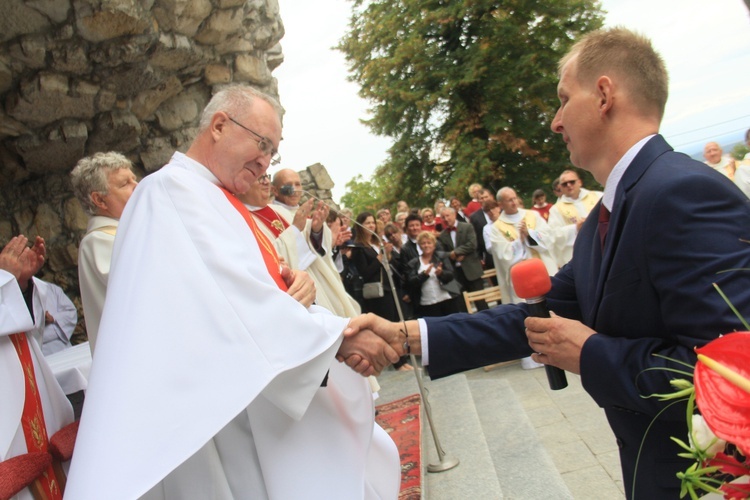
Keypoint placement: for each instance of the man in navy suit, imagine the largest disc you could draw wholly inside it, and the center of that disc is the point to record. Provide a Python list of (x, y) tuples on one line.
[(675, 224)]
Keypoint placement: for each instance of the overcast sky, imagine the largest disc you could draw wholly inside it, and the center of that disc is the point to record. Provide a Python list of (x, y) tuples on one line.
[(705, 43)]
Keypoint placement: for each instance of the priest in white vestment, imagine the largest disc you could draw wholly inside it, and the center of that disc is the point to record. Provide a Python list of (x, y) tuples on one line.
[(103, 184), (60, 317), (715, 159), (210, 381), (16, 318), (518, 235), (569, 213)]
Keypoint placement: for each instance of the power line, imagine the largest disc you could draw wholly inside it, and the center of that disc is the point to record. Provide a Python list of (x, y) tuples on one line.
[(707, 139), (710, 126)]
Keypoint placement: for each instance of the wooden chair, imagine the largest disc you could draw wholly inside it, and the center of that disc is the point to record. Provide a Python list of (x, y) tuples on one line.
[(489, 295), (488, 275)]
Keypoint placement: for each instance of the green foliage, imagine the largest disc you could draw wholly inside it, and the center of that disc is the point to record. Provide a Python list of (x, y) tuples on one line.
[(466, 88), (739, 151)]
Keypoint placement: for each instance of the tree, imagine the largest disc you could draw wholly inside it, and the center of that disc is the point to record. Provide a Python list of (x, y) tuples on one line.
[(466, 88)]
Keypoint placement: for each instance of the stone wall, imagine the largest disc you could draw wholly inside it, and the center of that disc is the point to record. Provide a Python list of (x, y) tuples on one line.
[(82, 76)]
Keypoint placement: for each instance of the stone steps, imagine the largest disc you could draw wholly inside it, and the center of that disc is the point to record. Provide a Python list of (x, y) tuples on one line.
[(514, 438)]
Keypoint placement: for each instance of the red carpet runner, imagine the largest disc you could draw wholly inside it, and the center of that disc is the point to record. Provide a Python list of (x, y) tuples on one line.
[(401, 420)]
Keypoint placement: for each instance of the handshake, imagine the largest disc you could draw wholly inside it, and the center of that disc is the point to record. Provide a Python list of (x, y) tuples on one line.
[(371, 343)]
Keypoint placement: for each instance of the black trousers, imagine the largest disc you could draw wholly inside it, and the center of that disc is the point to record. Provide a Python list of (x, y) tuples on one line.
[(471, 286)]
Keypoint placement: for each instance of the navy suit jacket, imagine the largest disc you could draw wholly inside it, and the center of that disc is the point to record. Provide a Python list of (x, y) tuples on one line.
[(675, 225)]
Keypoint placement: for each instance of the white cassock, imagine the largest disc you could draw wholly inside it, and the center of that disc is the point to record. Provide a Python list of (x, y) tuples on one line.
[(94, 260), (206, 380), (742, 176), (57, 334), (562, 221), (15, 318), (508, 249)]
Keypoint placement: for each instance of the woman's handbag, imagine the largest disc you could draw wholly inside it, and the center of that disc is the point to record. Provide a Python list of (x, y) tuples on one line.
[(372, 290)]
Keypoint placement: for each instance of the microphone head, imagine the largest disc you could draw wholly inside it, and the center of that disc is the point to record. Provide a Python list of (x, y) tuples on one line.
[(530, 279), (287, 190)]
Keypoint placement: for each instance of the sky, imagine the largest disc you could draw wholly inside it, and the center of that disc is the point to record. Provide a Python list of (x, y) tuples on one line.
[(705, 44)]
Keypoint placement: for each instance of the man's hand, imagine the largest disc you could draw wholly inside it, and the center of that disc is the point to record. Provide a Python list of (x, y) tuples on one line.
[(523, 231), (392, 333), (319, 216), (557, 341), (300, 216), (300, 286), (21, 261), (373, 352)]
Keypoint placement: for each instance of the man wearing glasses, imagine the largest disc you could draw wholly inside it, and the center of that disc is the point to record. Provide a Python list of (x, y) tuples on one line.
[(567, 215), (211, 380)]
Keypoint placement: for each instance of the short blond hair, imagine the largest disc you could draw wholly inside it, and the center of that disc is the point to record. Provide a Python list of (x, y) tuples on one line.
[(426, 235), (631, 58)]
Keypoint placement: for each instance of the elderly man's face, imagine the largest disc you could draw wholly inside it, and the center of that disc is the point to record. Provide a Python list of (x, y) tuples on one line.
[(509, 202), (236, 159), (287, 177), (712, 152), (120, 186), (449, 217), (259, 193)]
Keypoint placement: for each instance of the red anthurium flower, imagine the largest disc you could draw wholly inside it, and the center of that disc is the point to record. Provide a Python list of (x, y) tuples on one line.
[(736, 490), (725, 405), (729, 465)]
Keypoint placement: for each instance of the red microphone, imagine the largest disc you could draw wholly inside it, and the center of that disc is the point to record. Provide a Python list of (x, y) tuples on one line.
[(531, 283)]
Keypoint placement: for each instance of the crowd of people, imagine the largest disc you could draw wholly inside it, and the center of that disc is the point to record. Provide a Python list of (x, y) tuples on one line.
[(224, 310)]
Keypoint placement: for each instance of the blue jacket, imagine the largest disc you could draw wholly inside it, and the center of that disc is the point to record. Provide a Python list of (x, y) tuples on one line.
[(674, 226)]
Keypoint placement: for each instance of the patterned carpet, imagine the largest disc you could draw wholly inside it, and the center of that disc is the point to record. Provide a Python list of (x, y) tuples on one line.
[(401, 419)]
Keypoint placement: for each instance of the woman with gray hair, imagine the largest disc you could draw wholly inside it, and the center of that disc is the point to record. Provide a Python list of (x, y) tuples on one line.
[(103, 184)]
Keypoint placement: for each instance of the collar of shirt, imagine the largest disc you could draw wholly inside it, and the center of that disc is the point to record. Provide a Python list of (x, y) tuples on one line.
[(195, 166), (512, 218), (288, 207), (610, 187)]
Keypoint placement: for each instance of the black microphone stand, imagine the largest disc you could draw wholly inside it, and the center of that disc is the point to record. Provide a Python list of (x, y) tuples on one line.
[(444, 462)]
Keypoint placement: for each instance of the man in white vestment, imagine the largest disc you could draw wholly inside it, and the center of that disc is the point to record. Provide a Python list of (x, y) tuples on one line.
[(715, 159), (517, 235), (287, 177), (22, 366), (103, 184), (304, 243), (569, 213), (210, 381), (60, 317), (295, 239)]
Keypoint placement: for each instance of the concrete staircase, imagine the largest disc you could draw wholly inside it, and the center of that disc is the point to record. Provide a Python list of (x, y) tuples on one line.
[(514, 438)]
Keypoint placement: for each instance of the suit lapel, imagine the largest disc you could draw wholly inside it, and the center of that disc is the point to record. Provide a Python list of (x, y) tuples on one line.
[(640, 164)]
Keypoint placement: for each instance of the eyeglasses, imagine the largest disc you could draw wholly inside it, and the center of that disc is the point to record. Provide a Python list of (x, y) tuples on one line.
[(264, 179), (264, 144), (568, 183)]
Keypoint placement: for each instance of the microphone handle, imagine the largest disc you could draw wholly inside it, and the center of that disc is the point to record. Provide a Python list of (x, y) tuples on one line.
[(555, 376)]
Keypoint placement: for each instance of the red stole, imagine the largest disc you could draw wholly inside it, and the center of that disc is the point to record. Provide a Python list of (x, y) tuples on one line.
[(273, 221), (267, 250), (32, 421)]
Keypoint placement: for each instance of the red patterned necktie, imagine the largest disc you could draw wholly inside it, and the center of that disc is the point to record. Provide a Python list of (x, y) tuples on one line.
[(603, 224)]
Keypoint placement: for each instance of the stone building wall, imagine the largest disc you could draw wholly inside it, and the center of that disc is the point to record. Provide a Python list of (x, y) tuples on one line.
[(82, 76)]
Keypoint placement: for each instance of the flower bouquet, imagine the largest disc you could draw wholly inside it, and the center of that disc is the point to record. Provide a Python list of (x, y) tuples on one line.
[(719, 431)]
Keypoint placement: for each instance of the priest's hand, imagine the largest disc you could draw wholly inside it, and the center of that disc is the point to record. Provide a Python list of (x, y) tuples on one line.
[(369, 349), (300, 285), (319, 216), (21, 261), (300, 216)]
